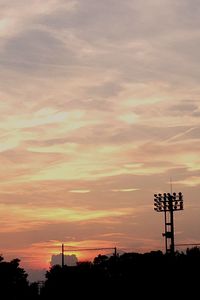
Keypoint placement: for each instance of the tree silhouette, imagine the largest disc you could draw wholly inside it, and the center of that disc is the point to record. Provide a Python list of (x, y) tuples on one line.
[(127, 276), (13, 280)]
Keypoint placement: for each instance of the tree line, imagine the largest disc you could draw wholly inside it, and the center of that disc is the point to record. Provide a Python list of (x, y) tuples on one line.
[(118, 276)]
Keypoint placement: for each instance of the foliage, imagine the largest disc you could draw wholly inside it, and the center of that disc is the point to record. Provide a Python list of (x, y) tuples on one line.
[(115, 276), (13, 280)]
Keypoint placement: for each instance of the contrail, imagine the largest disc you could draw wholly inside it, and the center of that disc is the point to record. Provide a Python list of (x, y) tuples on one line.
[(180, 134)]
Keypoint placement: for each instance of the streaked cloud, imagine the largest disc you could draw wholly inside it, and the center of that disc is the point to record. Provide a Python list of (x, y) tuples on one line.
[(99, 108), (125, 190), (45, 215), (191, 181), (80, 191)]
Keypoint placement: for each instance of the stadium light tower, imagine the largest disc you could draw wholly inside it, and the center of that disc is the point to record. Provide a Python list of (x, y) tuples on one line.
[(168, 203)]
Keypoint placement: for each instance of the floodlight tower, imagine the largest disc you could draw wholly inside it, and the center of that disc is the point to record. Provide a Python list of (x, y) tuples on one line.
[(168, 203)]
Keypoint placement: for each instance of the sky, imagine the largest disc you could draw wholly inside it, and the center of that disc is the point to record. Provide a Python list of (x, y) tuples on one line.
[(99, 108)]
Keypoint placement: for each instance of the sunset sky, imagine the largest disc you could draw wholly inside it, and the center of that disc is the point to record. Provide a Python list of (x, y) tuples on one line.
[(99, 107)]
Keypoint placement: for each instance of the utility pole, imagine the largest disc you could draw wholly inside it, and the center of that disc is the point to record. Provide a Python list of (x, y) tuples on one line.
[(63, 257), (115, 252)]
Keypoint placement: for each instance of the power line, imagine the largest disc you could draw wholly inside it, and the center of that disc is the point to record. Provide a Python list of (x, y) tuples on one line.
[(85, 249), (88, 249), (189, 244)]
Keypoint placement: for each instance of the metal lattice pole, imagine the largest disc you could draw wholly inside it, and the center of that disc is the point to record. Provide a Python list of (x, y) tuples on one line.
[(168, 203)]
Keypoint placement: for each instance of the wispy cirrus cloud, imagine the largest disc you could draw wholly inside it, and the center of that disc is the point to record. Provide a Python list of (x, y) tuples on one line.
[(99, 107)]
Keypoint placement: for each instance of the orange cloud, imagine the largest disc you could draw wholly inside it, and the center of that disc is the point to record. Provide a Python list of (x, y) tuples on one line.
[(89, 131)]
